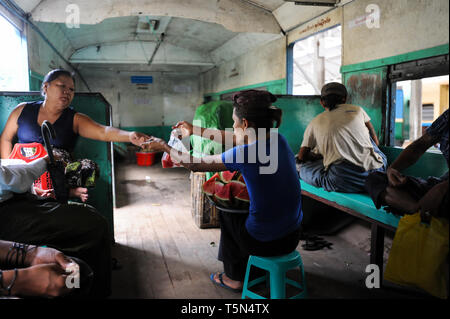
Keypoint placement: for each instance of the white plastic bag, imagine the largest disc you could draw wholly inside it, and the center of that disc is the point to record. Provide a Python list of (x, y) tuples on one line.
[(176, 144)]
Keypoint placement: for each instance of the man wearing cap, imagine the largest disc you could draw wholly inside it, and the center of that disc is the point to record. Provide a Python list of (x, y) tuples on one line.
[(340, 146)]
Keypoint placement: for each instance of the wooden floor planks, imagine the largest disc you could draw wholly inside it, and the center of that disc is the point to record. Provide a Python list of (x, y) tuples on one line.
[(162, 252)]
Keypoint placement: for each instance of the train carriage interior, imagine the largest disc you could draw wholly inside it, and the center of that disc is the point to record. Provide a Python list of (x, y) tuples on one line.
[(143, 66)]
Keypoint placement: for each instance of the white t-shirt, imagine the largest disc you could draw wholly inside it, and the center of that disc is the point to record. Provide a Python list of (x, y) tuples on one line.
[(341, 134), (18, 177)]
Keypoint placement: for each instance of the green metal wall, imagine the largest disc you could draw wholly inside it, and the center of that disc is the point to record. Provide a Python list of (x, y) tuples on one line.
[(368, 89), (97, 108), (430, 163), (274, 87), (35, 80), (298, 111)]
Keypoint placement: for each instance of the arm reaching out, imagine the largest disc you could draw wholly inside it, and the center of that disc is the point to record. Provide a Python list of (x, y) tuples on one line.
[(18, 178), (408, 157), (211, 163), (187, 129), (88, 128)]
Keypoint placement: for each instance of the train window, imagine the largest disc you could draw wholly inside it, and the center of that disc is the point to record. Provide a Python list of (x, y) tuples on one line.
[(316, 60), (427, 114), (421, 88), (14, 60), (418, 103)]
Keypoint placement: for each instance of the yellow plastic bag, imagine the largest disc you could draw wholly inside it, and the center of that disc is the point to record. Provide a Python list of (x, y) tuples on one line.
[(418, 255)]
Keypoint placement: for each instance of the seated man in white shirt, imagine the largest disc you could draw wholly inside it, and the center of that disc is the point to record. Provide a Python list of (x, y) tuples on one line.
[(77, 230), (340, 147)]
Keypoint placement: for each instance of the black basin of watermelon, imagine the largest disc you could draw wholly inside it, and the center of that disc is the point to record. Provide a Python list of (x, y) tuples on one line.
[(227, 191), (228, 210)]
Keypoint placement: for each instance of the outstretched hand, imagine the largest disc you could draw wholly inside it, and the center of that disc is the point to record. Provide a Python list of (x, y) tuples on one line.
[(138, 138), (154, 144), (184, 128)]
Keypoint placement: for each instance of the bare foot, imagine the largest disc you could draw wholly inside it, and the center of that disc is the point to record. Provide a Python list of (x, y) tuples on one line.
[(228, 281), (80, 192)]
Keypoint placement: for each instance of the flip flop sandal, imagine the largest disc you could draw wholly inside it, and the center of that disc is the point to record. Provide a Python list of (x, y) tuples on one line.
[(316, 245), (312, 246), (327, 245), (222, 284), (324, 243)]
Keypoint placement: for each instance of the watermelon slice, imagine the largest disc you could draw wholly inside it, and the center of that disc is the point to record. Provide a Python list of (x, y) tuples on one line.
[(242, 200), (227, 176), (209, 186), (222, 194), (241, 178), (236, 187)]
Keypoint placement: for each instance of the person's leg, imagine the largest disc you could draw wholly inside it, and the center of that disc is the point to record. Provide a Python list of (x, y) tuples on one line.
[(237, 245), (339, 177), (278, 247), (230, 251), (76, 230), (402, 200), (344, 177), (312, 173)]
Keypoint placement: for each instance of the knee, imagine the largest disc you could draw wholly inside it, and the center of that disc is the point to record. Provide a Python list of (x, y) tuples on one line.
[(310, 174)]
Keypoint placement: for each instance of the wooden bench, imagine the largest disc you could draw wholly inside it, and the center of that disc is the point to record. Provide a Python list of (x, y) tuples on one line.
[(361, 205)]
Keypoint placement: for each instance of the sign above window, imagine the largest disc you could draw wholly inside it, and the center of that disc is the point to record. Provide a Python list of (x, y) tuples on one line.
[(138, 79)]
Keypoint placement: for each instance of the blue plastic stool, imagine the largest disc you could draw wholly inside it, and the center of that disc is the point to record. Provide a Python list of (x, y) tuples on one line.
[(277, 268)]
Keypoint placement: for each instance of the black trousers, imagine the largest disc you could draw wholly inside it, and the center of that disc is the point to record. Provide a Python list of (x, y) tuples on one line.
[(77, 230), (236, 245)]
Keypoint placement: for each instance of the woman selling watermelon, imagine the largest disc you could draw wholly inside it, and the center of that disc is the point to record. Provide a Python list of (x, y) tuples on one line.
[(267, 164)]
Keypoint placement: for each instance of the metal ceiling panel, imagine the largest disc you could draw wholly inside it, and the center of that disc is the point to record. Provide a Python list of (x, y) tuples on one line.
[(27, 5), (197, 35), (270, 5)]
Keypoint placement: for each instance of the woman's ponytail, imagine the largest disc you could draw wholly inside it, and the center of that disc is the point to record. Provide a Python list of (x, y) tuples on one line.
[(275, 115), (256, 106)]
